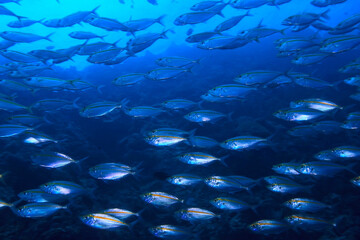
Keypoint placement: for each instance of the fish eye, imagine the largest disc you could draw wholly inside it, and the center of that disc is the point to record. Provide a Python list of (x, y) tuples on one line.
[(29, 79)]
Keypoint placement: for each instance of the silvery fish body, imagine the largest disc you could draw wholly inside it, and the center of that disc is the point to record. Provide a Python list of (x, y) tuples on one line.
[(110, 171), (41, 209), (62, 188), (268, 227), (243, 142), (195, 214), (184, 179), (102, 221), (305, 205), (229, 203), (169, 232), (160, 199)]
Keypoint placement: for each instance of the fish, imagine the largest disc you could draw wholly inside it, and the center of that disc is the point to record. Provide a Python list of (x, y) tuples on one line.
[(62, 188), (230, 204), (289, 188), (249, 4), (38, 196), (169, 232), (194, 18), (356, 181), (199, 158), (268, 227), (10, 130), (278, 180), (170, 131), (305, 205), (225, 184), (52, 159), (25, 119), (241, 143), (184, 179), (204, 5), (129, 79), (315, 103), (6, 12), (351, 124), (311, 58), (202, 116), (177, 62), (120, 213), (82, 35), (23, 23), (202, 142), (322, 168), (176, 104), (111, 171), (353, 81), (162, 74), (99, 109), (340, 44), (22, 37), (11, 106), (195, 214), (164, 140), (309, 222), (142, 24), (142, 111), (104, 55), (326, 155), (142, 42), (349, 22), (200, 37), (231, 22), (102, 221), (298, 114), (19, 56), (76, 18), (105, 23), (47, 82), (38, 209), (304, 18), (160, 199), (257, 77), (231, 91), (302, 131), (347, 152), (224, 42), (325, 3)]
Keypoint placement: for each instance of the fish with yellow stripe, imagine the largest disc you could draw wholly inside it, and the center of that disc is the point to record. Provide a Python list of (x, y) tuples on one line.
[(229, 203), (309, 222), (102, 221), (200, 158), (226, 184), (305, 205), (243, 142), (184, 179), (195, 214), (160, 199), (268, 227), (169, 232), (35, 210), (315, 103), (120, 213)]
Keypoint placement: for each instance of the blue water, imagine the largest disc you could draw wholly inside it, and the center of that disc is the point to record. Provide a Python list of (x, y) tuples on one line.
[(117, 137)]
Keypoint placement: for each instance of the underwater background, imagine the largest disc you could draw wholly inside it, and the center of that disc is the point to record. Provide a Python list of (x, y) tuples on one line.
[(137, 85)]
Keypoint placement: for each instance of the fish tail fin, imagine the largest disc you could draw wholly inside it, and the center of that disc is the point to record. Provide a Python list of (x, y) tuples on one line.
[(325, 14), (98, 88), (2, 176), (95, 9), (41, 20), (229, 116), (160, 20), (248, 13), (102, 37), (336, 84), (349, 168), (124, 103), (20, 17), (48, 37), (282, 31), (222, 160)]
